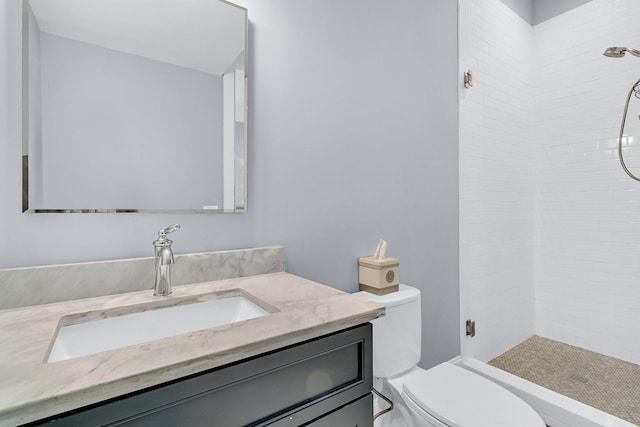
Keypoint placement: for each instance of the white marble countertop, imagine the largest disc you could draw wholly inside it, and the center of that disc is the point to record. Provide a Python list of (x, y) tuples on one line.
[(33, 389)]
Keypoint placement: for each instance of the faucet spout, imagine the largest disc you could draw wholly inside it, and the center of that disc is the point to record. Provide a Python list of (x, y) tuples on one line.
[(164, 260)]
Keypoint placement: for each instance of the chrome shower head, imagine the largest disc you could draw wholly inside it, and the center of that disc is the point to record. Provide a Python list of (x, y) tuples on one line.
[(618, 52)]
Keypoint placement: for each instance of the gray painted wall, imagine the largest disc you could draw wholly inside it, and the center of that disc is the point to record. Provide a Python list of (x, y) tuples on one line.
[(537, 11), (524, 8), (547, 9), (352, 137)]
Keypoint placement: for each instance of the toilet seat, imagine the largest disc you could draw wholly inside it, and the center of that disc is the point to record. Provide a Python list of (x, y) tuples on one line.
[(459, 398)]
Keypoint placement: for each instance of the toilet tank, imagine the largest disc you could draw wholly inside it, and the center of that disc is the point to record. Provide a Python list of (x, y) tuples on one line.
[(397, 334)]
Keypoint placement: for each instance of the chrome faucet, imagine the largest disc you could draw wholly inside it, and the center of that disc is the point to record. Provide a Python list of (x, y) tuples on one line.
[(164, 259)]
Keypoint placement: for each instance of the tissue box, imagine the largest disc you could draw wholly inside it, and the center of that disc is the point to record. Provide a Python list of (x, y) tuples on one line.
[(379, 276)]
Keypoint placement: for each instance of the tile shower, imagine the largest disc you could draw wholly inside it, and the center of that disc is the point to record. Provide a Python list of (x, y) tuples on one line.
[(549, 229)]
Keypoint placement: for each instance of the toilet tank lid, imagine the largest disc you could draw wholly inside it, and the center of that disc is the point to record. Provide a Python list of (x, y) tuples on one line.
[(460, 398), (404, 295)]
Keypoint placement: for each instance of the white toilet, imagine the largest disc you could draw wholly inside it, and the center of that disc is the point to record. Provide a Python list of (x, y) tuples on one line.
[(443, 396)]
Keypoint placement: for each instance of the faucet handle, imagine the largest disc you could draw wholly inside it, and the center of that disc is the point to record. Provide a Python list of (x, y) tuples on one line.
[(162, 236), (169, 229)]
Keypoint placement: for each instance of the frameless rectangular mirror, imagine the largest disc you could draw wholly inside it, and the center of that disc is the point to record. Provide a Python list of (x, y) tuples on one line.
[(134, 106)]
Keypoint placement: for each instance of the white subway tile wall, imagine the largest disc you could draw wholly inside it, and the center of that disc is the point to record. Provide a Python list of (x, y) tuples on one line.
[(549, 222), (587, 222)]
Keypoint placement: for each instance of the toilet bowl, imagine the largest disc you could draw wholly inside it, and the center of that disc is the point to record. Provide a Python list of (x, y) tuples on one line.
[(446, 395)]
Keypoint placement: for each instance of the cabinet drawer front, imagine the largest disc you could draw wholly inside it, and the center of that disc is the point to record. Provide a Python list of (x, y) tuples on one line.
[(287, 387), (356, 414), (277, 391)]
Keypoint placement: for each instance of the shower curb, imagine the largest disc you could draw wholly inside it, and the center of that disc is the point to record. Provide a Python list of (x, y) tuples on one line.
[(556, 409)]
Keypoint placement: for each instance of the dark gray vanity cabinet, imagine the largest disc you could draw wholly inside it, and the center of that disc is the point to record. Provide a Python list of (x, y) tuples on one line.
[(324, 382)]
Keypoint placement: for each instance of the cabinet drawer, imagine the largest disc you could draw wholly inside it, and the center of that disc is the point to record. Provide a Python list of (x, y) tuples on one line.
[(287, 387), (356, 414)]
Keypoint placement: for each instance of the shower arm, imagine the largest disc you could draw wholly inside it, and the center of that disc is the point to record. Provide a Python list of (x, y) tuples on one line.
[(632, 51), (624, 119)]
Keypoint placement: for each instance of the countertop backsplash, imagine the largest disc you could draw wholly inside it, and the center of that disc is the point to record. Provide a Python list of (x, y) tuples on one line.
[(27, 286)]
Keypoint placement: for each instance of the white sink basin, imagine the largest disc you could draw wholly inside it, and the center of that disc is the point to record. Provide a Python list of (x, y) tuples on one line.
[(123, 330)]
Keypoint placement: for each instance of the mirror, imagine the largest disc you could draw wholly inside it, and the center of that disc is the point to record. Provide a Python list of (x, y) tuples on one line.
[(134, 106)]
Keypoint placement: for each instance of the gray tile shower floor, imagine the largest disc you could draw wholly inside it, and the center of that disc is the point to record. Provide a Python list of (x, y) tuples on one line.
[(609, 384)]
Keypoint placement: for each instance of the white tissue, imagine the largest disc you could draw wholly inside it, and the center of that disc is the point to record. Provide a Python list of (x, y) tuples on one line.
[(380, 250)]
